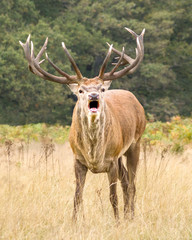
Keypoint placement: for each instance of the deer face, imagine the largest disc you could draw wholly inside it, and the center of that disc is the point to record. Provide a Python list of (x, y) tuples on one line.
[(90, 95)]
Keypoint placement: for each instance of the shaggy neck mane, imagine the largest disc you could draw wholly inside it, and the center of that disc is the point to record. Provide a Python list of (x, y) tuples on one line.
[(92, 125), (93, 135)]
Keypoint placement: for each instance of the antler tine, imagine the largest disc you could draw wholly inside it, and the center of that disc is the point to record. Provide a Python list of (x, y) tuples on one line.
[(104, 65), (119, 62), (34, 64), (32, 51), (140, 37), (56, 68), (141, 45), (42, 50), (132, 32), (79, 75), (134, 63), (25, 47), (123, 62), (126, 59), (29, 54)]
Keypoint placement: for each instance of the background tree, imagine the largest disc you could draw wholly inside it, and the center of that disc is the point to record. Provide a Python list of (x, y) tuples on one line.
[(163, 83)]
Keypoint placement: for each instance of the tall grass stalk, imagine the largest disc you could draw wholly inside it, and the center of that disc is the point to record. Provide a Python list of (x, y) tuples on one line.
[(40, 204)]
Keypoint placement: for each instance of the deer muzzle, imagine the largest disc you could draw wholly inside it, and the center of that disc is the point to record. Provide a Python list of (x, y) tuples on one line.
[(93, 104)]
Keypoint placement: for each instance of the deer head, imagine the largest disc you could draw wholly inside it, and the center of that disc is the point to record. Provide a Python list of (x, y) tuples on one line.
[(90, 95)]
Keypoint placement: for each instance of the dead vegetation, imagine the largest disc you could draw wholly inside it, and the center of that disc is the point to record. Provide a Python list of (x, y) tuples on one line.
[(37, 189)]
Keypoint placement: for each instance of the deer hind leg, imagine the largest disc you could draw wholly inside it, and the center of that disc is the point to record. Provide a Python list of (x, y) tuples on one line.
[(132, 162), (80, 174), (123, 177), (112, 176)]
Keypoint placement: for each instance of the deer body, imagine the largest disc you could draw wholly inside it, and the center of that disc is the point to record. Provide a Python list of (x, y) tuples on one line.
[(97, 142), (105, 125)]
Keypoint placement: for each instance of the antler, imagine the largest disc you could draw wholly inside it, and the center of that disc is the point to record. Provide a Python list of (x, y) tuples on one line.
[(34, 64), (123, 59)]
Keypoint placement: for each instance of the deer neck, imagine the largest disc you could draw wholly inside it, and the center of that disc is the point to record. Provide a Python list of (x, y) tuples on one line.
[(93, 126), (93, 135)]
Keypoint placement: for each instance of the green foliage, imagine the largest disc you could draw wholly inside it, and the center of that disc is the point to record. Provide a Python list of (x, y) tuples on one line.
[(163, 84), (34, 132), (177, 133)]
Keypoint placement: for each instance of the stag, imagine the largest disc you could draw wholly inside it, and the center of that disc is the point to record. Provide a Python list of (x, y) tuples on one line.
[(106, 124)]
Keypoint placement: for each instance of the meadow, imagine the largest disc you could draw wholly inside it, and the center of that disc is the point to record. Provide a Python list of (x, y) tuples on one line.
[(37, 187)]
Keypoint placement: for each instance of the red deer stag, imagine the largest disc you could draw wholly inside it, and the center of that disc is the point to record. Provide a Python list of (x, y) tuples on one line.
[(106, 125)]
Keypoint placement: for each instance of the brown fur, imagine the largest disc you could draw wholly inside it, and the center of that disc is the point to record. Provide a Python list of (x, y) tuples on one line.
[(100, 145)]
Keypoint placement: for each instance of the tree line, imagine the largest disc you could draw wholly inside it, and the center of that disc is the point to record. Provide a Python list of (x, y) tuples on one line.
[(163, 83)]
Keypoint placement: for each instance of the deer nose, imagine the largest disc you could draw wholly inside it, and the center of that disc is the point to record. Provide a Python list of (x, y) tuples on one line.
[(93, 96)]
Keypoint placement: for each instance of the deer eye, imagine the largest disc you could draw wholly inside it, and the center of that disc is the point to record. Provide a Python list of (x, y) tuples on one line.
[(80, 91), (102, 89)]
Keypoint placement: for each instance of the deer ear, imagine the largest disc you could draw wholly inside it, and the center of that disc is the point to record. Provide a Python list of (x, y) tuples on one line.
[(74, 87), (107, 84)]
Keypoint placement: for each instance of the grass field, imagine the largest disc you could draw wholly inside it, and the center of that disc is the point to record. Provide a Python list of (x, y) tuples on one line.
[(37, 189)]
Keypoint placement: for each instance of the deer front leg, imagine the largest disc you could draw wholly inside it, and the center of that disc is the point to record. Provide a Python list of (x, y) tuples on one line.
[(80, 175), (112, 176)]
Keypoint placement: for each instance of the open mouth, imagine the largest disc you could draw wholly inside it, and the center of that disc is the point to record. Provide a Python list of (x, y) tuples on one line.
[(93, 106)]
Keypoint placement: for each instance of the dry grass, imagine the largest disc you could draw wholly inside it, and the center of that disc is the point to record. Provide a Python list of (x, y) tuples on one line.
[(37, 189)]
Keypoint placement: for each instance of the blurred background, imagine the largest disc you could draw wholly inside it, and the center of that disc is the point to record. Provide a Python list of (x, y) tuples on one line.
[(163, 83)]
